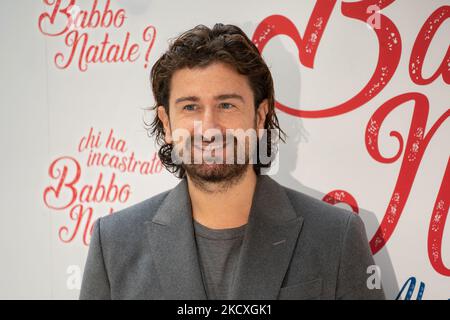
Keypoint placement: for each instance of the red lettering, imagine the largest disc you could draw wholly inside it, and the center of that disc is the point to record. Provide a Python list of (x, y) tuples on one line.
[(415, 148), (389, 43), (65, 193), (421, 46), (51, 18), (341, 196)]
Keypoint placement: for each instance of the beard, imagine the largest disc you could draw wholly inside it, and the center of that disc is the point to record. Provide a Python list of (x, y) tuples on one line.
[(217, 177)]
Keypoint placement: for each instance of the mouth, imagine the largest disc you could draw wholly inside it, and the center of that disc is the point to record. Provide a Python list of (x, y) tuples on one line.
[(210, 146)]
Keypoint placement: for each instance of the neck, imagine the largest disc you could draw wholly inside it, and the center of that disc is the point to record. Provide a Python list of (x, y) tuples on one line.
[(221, 208)]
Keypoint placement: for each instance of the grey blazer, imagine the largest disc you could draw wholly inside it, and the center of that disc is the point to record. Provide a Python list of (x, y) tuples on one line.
[(294, 247)]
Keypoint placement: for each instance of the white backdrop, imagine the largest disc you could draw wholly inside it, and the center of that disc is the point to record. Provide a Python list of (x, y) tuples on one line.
[(58, 111)]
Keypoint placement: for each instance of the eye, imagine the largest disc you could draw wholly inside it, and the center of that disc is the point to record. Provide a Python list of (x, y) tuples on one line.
[(226, 106), (190, 107)]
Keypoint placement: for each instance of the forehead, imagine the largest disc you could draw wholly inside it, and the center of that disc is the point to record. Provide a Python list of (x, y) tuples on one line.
[(212, 80)]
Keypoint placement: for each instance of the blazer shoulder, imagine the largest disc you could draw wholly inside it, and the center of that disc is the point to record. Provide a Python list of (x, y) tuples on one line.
[(328, 225), (311, 208), (131, 219)]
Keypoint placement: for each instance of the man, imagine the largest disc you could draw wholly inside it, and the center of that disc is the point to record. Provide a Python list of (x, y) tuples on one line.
[(225, 231)]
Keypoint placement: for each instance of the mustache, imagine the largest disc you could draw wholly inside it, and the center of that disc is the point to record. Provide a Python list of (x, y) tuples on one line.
[(216, 141)]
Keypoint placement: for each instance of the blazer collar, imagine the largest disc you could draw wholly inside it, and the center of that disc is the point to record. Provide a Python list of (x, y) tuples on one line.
[(270, 238)]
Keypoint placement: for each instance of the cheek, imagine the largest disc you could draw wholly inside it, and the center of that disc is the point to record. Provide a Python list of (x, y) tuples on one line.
[(183, 125), (240, 120), (181, 131)]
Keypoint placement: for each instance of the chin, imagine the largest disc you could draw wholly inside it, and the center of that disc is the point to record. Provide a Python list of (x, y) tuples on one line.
[(215, 172)]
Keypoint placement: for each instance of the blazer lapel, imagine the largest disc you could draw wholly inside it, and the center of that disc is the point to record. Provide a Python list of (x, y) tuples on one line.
[(272, 232), (173, 247)]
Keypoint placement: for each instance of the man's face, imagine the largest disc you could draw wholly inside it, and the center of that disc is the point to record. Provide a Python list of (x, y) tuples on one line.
[(217, 98)]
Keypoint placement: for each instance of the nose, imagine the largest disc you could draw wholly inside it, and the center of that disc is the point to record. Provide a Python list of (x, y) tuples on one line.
[(210, 121)]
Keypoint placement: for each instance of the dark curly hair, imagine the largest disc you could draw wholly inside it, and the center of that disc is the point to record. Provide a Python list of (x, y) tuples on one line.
[(200, 47)]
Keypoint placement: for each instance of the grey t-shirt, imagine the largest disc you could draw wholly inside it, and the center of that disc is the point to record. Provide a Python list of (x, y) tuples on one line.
[(218, 251)]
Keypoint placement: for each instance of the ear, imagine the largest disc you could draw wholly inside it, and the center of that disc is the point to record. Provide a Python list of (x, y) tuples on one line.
[(261, 114), (164, 117)]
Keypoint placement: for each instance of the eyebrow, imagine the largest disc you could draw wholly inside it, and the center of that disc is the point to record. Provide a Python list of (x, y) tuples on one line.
[(219, 97)]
